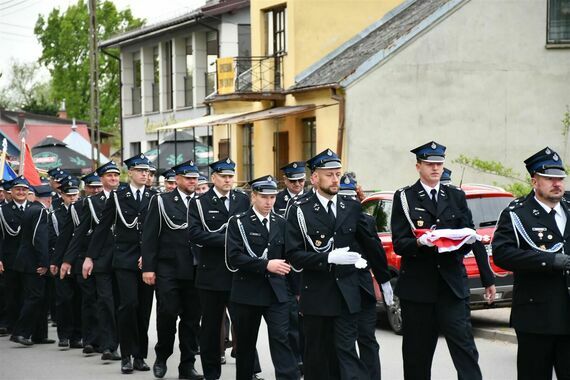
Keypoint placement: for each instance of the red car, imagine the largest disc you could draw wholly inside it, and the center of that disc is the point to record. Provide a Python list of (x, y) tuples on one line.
[(486, 203)]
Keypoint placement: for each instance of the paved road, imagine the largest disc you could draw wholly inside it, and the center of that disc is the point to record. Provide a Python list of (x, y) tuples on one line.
[(45, 362)]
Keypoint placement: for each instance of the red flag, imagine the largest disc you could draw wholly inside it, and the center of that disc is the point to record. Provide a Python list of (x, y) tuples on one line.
[(30, 171)]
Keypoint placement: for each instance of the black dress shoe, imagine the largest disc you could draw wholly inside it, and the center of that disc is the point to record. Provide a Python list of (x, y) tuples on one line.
[(126, 365), (20, 339), (88, 349), (76, 344), (159, 368), (64, 343), (44, 341), (256, 377), (140, 365), (107, 355), (191, 375)]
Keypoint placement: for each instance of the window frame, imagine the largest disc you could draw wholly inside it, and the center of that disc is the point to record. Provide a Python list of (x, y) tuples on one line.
[(552, 43)]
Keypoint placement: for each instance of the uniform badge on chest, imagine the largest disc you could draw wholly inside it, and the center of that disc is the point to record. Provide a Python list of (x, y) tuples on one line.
[(420, 223)]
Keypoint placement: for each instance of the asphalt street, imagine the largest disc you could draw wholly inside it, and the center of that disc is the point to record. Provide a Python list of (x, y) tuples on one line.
[(497, 357)]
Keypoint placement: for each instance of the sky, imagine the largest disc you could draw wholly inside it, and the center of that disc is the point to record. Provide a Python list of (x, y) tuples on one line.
[(18, 17)]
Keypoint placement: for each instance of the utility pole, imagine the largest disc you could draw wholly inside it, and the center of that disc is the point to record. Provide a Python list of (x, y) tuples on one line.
[(94, 81)]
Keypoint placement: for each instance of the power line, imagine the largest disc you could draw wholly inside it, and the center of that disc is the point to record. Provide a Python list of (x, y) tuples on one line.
[(18, 34), (14, 5), (15, 26), (7, 2)]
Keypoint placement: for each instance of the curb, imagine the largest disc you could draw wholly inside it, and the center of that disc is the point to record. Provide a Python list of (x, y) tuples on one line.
[(495, 334)]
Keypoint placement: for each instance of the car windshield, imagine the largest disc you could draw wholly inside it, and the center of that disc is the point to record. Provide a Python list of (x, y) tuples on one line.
[(486, 210)]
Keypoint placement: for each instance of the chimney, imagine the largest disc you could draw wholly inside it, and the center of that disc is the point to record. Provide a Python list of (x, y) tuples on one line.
[(62, 113)]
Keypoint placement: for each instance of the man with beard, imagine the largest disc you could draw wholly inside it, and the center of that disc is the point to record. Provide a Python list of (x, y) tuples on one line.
[(169, 264), (532, 240), (324, 230)]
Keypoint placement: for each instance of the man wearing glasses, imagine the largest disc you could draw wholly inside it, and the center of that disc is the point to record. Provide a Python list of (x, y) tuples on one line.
[(294, 178)]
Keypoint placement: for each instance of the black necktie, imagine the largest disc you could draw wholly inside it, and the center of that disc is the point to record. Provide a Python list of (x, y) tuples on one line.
[(552, 215), (264, 222), (433, 193), (188, 197), (330, 211), (21, 208), (223, 199), (138, 196)]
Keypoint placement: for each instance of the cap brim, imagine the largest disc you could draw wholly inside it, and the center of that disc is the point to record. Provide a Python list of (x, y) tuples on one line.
[(140, 166), (20, 185), (226, 172), (432, 159), (267, 191), (296, 176), (330, 165), (552, 173), (189, 175), (94, 184), (117, 171), (347, 192)]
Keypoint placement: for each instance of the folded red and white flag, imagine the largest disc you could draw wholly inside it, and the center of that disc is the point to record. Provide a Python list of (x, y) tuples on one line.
[(449, 239)]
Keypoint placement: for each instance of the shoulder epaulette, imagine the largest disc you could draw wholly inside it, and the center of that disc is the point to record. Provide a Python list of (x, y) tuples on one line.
[(450, 186), (402, 189), (278, 215), (240, 215)]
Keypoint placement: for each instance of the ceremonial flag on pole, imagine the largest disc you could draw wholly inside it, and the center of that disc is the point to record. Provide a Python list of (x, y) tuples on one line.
[(27, 167)]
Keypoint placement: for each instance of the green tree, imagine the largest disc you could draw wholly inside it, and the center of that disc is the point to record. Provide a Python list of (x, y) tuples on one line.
[(521, 185), (64, 37), (26, 91)]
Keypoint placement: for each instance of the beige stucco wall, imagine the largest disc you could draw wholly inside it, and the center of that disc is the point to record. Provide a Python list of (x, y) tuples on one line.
[(480, 82)]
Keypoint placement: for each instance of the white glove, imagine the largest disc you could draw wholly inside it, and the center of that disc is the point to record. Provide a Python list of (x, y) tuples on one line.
[(361, 263), (471, 240), (423, 240), (388, 293), (343, 256)]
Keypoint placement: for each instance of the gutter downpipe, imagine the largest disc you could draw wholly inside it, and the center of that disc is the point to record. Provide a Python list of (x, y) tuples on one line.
[(120, 98), (337, 96)]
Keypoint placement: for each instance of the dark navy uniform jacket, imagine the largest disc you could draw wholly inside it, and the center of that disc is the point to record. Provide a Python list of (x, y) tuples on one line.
[(325, 287), (422, 267), (281, 201), (252, 284), (541, 303), (212, 273), (164, 249), (9, 244), (81, 237), (33, 251), (127, 240)]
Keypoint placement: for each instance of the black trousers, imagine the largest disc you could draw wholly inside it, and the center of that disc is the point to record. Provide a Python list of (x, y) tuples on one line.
[(421, 325), (538, 354), (135, 306), (213, 305), (14, 297), (296, 337), (330, 348), (89, 323), (248, 319), (367, 343), (2, 300), (177, 298), (68, 308), (34, 287), (106, 333)]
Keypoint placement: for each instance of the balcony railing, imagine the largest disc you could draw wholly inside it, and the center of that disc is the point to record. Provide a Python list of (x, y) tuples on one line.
[(250, 75)]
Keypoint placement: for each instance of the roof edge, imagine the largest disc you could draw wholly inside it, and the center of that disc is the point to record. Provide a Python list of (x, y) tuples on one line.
[(429, 22), (359, 36)]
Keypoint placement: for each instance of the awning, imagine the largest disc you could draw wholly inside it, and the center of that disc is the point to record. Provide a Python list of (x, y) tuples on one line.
[(242, 117), (271, 113), (201, 121)]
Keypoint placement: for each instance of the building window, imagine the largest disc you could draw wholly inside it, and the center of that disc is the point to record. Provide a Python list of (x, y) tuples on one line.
[(168, 74), (558, 22), (135, 148), (247, 152), (188, 79), (211, 56), (155, 79), (223, 148), (137, 80), (309, 137), (276, 37)]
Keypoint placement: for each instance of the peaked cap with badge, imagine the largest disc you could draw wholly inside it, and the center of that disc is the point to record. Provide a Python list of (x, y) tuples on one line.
[(430, 152), (187, 169), (294, 170), (140, 161), (224, 167), (546, 163), (327, 159), (264, 185)]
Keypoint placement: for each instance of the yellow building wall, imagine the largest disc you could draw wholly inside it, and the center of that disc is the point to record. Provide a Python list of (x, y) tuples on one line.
[(315, 27)]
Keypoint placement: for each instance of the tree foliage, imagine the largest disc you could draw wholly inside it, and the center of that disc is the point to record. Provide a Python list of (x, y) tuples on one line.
[(520, 187), (27, 91), (64, 37)]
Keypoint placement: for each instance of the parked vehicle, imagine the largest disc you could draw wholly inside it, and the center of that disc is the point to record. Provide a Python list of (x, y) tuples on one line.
[(485, 202)]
